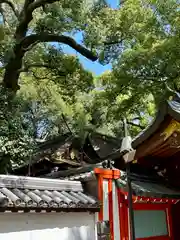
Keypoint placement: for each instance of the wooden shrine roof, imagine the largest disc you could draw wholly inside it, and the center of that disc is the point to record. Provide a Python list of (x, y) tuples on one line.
[(49, 155), (162, 137), (64, 152), (144, 186), (158, 146)]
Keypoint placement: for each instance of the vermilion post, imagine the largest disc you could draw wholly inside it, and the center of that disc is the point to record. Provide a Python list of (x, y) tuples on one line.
[(107, 175)]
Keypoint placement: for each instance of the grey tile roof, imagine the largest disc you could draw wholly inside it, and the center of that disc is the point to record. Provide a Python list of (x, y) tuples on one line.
[(149, 189), (38, 193), (87, 176), (88, 173), (142, 185), (154, 189)]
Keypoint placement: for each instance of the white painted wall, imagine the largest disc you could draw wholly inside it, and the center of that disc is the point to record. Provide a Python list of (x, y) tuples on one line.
[(47, 226)]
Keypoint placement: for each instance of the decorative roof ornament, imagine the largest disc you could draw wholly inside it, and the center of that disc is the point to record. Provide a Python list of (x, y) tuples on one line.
[(170, 108), (128, 156), (127, 150), (126, 146), (173, 127)]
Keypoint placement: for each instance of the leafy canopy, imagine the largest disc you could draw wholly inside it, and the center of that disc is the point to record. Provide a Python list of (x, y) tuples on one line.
[(139, 38)]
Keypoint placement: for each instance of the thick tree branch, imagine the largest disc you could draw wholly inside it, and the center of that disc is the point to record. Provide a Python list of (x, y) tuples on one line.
[(25, 43), (135, 125), (12, 70), (39, 3), (27, 15), (11, 5), (44, 37), (64, 119)]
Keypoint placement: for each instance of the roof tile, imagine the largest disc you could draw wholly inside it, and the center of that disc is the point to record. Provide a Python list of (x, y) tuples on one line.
[(46, 196)]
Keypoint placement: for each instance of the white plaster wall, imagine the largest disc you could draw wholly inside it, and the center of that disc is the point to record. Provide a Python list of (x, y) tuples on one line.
[(47, 226)]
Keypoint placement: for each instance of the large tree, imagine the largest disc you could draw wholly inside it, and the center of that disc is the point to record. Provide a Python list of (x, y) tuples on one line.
[(45, 107), (29, 24), (140, 39), (31, 36)]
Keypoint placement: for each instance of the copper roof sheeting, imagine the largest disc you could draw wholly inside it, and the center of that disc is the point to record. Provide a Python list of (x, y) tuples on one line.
[(38, 193)]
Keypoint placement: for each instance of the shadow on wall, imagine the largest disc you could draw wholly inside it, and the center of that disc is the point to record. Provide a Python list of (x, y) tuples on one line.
[(80, 234)]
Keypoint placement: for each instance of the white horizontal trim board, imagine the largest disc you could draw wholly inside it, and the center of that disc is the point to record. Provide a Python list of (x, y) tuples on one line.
[(10, 181)]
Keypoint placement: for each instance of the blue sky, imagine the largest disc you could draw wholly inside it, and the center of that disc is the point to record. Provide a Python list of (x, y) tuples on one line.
[(94, 67), (114, 3)]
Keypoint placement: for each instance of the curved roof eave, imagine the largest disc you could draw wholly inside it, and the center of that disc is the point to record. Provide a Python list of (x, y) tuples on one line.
[(169, 107)]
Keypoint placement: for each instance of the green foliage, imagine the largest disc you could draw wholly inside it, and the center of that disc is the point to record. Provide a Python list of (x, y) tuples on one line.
[(16, 141), (51, 81), (140, 39)]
